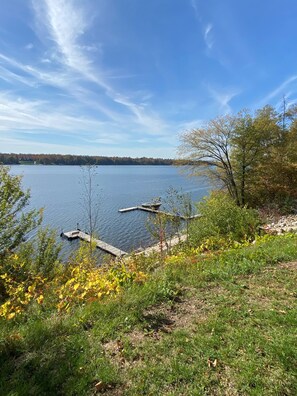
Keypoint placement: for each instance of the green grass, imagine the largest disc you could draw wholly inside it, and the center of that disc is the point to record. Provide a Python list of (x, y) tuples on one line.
[(222, 325)]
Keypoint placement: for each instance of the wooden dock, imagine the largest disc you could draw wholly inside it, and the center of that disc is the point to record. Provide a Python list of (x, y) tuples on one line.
[(145, 209), (78, 234)]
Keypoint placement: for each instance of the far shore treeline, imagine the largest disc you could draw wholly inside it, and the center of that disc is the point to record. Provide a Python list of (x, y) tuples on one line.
[(59, 159)]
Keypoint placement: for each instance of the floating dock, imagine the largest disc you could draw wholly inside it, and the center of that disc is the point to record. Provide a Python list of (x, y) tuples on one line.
[(146, 209), (128, 209), (78, 234)]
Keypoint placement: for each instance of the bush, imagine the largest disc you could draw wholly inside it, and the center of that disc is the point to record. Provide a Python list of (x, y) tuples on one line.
[(35, 277), (222, 223)]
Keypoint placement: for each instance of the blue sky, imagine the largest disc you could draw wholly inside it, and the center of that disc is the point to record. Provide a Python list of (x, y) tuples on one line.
[(126, 77)]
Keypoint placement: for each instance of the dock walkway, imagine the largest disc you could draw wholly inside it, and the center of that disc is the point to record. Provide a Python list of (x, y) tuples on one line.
[(78, 234), (145, 209)]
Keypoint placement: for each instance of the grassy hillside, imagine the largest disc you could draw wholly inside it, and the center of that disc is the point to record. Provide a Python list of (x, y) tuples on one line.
[(201, 324)]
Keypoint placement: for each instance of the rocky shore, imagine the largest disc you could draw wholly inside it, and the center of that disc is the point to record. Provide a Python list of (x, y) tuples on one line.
[(281, 225)]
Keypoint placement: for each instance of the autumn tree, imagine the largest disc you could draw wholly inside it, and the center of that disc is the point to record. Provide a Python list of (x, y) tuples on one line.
[(253, 144), (210, 150), (252, 156), (275, 178)]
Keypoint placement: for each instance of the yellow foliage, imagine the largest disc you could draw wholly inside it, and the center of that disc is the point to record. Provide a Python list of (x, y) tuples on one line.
[(40, 299), (175, 258), (80, 282)]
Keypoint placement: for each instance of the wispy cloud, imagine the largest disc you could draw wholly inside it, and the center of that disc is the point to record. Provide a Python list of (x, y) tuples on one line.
[(11, 77), (29, 46), (154, 124), (194, 5), (30, 74), (208, 36), (62, 79), (66, 22), (281, 90), (21, 145), (207, 29), (189, 125), (17, 114), (223, 97), (74, 80)]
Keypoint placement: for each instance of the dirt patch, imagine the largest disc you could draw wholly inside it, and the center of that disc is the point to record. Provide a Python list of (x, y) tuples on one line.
[(115, 350), (107, 389), (227, 383), (157, 322), (291, 265), (186, 312), (264, 291)]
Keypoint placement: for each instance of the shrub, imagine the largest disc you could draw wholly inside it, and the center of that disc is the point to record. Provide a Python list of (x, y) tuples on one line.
[(15, 221), (222, 223), (36, 276)]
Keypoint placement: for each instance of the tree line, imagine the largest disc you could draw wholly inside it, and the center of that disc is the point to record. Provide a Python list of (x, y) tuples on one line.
[(59, 159)]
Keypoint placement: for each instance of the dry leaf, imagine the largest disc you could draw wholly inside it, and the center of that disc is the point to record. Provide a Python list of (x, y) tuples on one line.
[(211, 363), (100, 386), (120, 345)]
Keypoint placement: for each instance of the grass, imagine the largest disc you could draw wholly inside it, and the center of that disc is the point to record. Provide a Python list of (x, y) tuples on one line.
[(239, 339), (222, 324)]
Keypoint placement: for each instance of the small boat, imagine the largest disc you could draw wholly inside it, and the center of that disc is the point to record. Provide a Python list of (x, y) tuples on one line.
[(151, 205)]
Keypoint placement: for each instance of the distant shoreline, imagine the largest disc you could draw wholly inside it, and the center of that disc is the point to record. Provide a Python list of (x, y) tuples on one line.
[(30, 164), (59, 159)]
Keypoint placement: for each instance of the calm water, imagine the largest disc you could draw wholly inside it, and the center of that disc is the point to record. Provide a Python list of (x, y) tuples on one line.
[(58, 189)]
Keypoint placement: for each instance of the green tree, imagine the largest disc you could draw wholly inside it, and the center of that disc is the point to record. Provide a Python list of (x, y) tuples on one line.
[(274, 180), (252, 144), (245, 150), (15, 221)]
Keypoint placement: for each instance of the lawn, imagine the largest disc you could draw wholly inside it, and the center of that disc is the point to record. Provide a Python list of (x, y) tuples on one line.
[(218, 324)]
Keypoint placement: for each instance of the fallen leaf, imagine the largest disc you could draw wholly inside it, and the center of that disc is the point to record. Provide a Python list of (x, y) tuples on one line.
[(120, 345), (212, 363), (100, 386)]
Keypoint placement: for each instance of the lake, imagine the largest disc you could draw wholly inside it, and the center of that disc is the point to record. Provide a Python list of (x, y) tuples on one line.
[(59, 190)]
